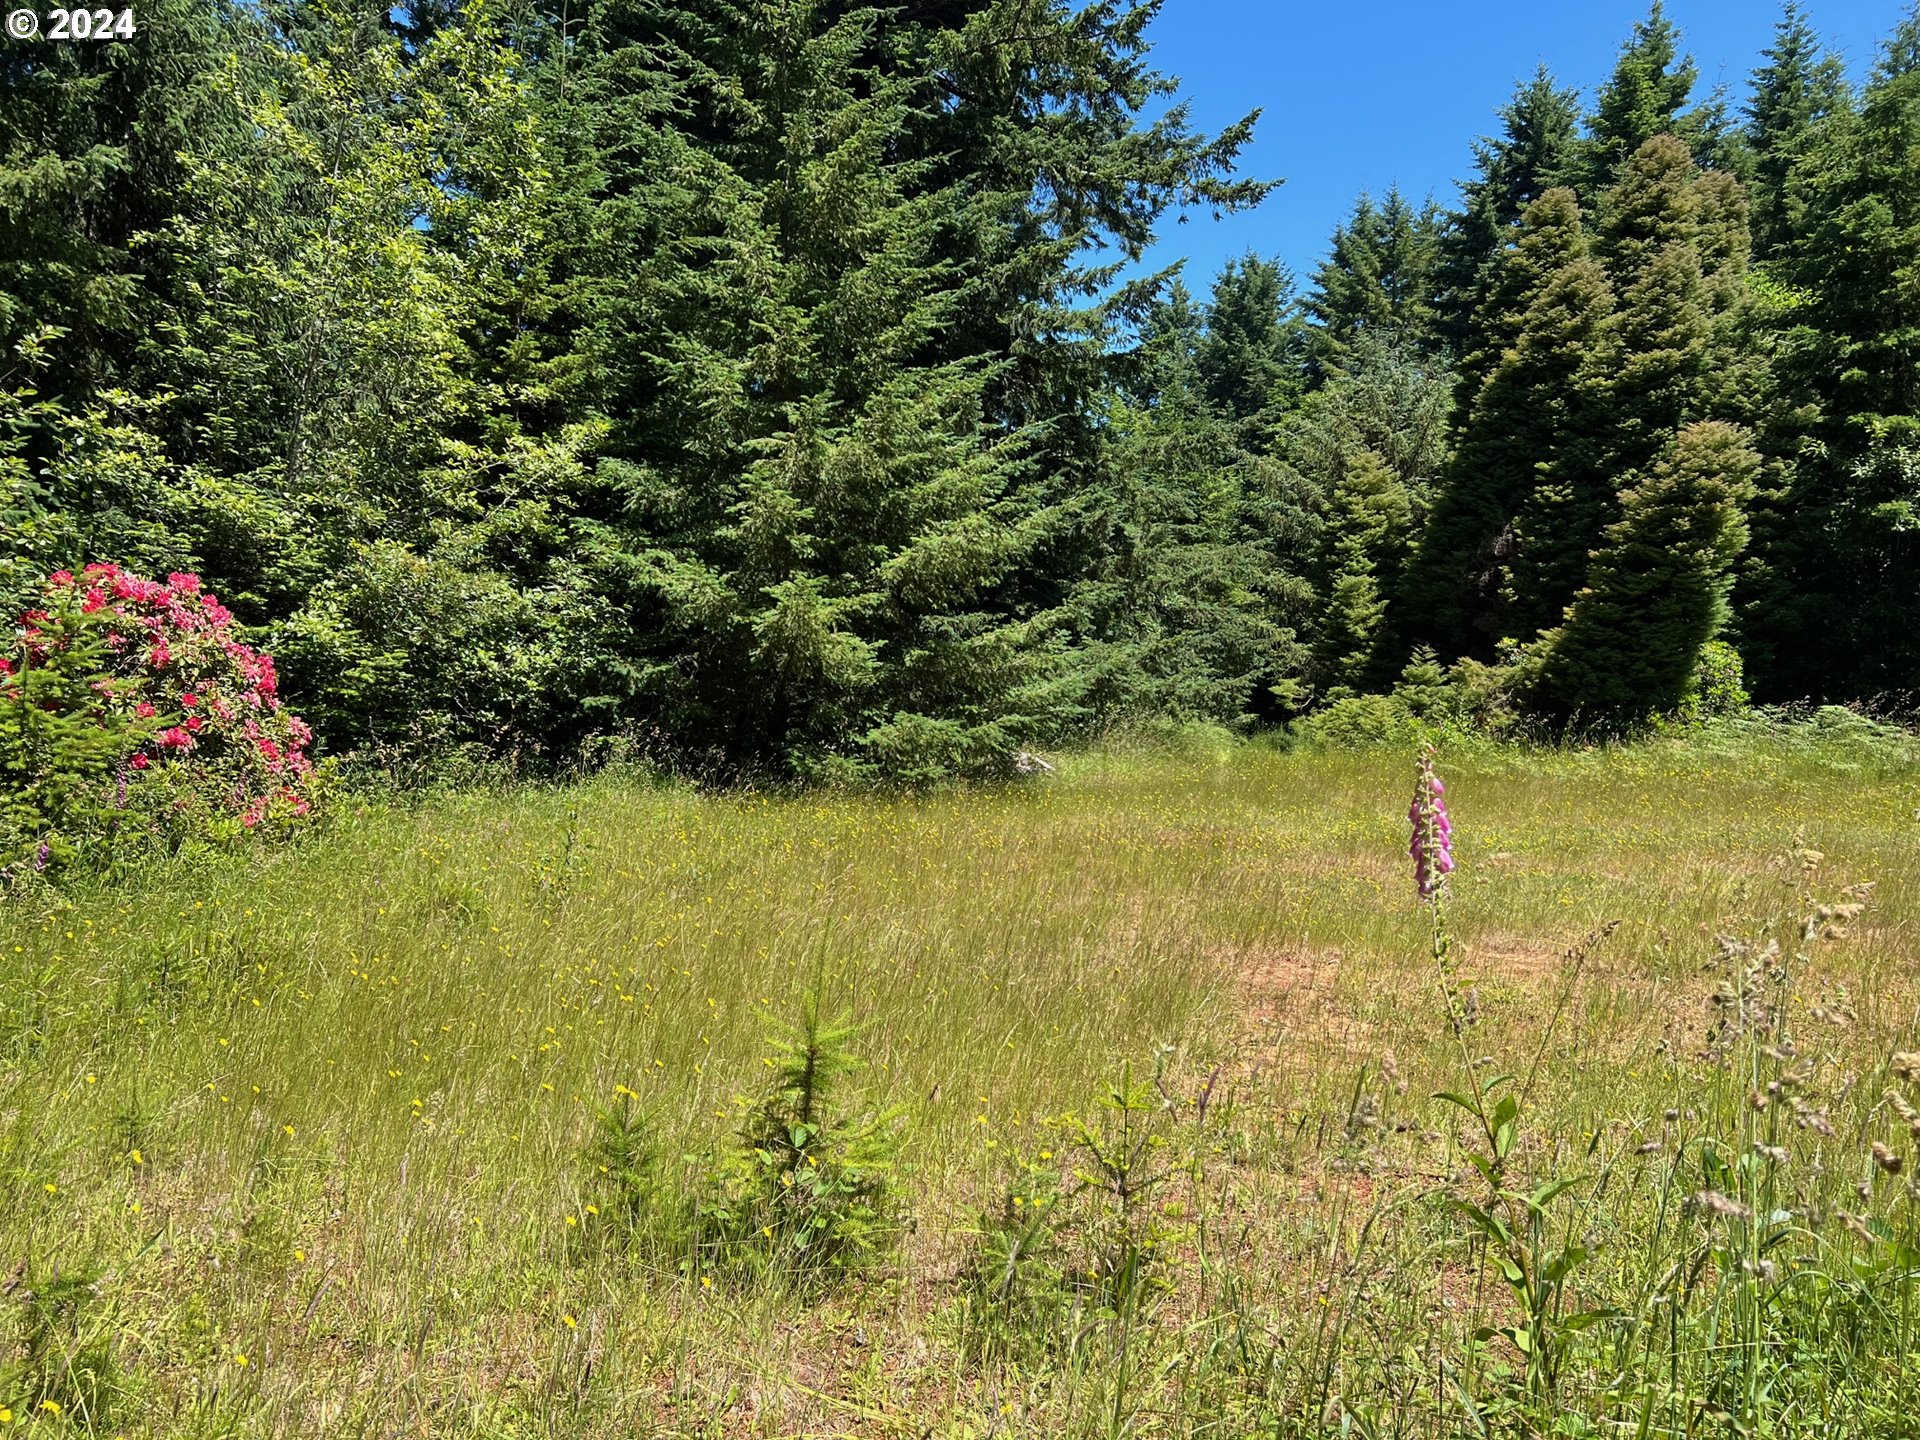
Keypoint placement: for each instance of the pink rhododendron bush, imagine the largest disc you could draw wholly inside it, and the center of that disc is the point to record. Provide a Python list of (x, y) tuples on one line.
[(132, 716)]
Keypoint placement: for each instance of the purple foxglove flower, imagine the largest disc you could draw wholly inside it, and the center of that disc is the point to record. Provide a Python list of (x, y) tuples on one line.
[(1432, 847)]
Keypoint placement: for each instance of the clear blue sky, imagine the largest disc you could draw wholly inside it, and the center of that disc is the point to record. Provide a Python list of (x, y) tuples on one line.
[(1359, 94)]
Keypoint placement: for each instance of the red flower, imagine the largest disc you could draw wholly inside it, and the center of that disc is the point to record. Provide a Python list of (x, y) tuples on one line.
[(189, 700), (60, 579), (175, 739), (140, 762), (144, 710), (193, 723), (96, 600), (160, 655)]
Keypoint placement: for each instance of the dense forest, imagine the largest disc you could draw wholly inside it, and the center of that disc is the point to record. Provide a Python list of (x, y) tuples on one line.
[(774, 383)]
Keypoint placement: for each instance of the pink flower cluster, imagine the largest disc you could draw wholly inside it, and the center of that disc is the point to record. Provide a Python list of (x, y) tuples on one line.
[(204, 706), (1432, 847)]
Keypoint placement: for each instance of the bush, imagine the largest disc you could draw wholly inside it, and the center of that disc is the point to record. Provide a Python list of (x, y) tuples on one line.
[(1717, 687), (1359, 722), (812, 1192), (131, 716)]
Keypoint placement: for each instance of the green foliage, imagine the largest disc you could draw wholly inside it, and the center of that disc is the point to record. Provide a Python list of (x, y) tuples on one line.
[(1646, 378), (1080, 1233), (1644, 97), (60, 746), (1534, 408), (812, 1192), (1379, 274), (1798, 88), (624, 1159), (1198, 545), (66, 1362), (1250, 360), (1536, 150), (1822, 614), (1717, 686), (1658, 589), (771, 381)]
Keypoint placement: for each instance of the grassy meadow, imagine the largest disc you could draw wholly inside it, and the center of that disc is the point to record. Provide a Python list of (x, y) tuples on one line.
[(317, 1143)]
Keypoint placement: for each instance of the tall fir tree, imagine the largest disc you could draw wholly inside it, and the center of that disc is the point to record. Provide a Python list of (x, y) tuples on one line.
[(1379, 274), (1647, 378), (1800, 86), (1829, 611), (1194, 607), (1542, 397), (1658, 587), (1371, 444), (1900, 54), (1645, 96), (838, 316), (1538, 148), (1252, 356)]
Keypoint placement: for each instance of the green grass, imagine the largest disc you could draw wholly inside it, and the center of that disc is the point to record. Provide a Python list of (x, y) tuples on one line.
[(331, 1109)]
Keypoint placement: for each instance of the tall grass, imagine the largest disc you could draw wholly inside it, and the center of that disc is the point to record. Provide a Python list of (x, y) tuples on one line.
[(315, 1144)]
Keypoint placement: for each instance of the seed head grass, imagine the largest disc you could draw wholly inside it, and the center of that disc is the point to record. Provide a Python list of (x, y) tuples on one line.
[(317, 1142)]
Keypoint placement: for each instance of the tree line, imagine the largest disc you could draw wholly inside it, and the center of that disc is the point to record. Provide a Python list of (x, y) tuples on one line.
[(773, 381)]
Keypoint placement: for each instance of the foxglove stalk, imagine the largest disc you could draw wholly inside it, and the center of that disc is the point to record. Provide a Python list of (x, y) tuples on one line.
[(1432, 846)]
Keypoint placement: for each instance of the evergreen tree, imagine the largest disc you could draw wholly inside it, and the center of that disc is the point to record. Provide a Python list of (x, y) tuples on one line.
[(1644, 97), (1645, 380), (1380, 273), (1657, 592), (1900, 55), (858, 418), (1369, 517), (1798, 87), (1369, 443), (1251, 359), (1829, 610), (1542, 397), (1192, 606), (1536, 150)]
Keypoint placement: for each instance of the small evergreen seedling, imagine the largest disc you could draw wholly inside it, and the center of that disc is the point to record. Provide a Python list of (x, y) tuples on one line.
[(625, 1151), (812, 1190)]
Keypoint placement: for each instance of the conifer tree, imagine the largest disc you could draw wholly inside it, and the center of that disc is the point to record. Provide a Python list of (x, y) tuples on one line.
[(1644, 97), (1658, 588), (833, 306), (1380, 273), (1829, 610), (1646, 378), (1200, 585), (1541, 398), (1370, 443), (1251, 359), (1900, 54), (1798, 87), (1369, 517), (1537, 149)]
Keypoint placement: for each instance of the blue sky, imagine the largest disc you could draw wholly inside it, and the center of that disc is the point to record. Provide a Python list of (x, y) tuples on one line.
[(1359, 94)]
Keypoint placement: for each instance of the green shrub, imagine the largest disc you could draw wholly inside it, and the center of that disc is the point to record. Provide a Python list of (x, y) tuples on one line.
[(1717, 686), (132, 718), (61, 741), (810, 1192), (1075, 1242), (1359, 722)]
